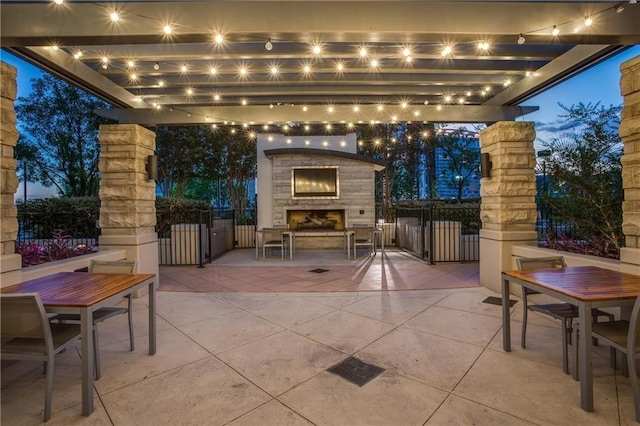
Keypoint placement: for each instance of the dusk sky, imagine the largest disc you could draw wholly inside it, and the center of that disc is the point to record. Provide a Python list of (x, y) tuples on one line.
[(598, 84)]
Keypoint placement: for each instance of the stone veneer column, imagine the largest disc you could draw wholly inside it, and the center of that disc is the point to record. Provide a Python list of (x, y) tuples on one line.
[(508, 210), (127, 198), (630, 133), (10, 262)]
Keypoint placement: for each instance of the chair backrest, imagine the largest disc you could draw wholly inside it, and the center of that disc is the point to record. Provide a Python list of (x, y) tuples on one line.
[(363, 233), (22, 315), (272, 234), (360, 225), (634, 327), (113, 267), (525, 263)]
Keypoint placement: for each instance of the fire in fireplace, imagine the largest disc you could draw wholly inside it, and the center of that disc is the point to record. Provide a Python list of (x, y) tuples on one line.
[(316, 220)]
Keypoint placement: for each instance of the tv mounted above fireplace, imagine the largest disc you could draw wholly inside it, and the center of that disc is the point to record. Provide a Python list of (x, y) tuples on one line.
[(314, 182)]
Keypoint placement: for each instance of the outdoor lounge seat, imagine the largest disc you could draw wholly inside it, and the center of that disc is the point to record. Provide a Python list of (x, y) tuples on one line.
[(565, 312), (28, 335), (102, 314)]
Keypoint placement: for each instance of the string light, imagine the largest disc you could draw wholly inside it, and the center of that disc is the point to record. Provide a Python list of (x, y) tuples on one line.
[(219, 39), (363, 52), (115, 17), (167, 29), (268, 45), (555, 31), (446, 51), (160, 83), (316, 49), (588, 21), (156, 66), (521, 39)]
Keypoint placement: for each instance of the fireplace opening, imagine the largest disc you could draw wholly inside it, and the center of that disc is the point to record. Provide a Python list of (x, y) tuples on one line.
[(316, 220)]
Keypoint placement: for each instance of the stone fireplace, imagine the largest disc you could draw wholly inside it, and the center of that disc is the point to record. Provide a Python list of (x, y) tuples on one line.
[(316, 220), (318, 185)]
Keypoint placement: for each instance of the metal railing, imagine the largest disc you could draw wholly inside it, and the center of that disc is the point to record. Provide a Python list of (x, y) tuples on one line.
[(440, 233), (552, 225), (41, 228)]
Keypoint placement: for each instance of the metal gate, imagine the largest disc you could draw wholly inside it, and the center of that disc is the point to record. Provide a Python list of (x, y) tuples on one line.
[(194, 238), (440, 233)]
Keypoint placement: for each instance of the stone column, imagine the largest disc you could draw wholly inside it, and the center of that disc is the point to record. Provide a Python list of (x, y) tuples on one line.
[(10, 262), (630, 135), (127, 197), (508, 210)]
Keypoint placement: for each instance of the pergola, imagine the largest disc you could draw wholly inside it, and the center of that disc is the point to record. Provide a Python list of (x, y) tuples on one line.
[(256, 62), (280, 63)]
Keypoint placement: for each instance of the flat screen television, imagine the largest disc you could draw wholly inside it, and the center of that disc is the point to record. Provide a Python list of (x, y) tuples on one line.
[(315, 182)]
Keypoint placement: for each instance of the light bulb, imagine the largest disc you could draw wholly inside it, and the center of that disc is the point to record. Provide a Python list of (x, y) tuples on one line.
[(446, 51), (374, 63), (268, 45), (316, 49), (115, 17), (131, 64), (363, 52), (183, 68), (58, 1), (426, 102), (588, 21), (213, 71), (156, 66), (167, 29), (521, 39), (160, 83), (218, 38), (406, 52), (555, 31), (78, 54), (340, 66)]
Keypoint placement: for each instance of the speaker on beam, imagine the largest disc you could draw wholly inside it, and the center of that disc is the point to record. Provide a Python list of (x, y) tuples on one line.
[(485, 165), (152, 167)]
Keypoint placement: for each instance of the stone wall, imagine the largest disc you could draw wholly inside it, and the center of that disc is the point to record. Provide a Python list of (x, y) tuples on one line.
[(630, 134), (508, 197), (127, 197), (10, 262), (356, 188), (508, 210)]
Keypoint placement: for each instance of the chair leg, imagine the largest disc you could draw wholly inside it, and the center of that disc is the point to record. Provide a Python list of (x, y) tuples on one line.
[(130, 315), (633, 378), (575, 355), (565, 351), (523, 338), (613, 358), (49, 390), (96, 353)]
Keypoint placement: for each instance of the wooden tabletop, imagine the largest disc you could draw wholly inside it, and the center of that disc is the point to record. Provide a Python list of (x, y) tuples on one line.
[(79, 289), (584, 283)]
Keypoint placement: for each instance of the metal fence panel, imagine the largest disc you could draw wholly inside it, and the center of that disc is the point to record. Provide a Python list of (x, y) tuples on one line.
[(440, 233)]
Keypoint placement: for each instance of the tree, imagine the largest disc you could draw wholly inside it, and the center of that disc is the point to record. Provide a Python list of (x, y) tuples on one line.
[(237, 158), (462, 160), (60, 145), (585, 175), (181, 151)]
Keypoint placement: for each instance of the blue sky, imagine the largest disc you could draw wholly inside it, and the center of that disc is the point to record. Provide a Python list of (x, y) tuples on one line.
[(598, 84)]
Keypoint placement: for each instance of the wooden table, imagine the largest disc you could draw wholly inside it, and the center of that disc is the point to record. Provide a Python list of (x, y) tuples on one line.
[(82, 293), (586, 287)]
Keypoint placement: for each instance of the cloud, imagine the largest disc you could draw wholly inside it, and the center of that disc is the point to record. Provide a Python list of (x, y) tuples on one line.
[(557, 126)]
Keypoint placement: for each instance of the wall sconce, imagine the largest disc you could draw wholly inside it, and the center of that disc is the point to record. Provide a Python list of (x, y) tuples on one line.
[(485, 165), (152, 167)]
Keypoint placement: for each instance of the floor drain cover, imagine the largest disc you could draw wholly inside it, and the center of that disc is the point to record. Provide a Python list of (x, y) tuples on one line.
[(319, 270), (492, 300), (356, 371)]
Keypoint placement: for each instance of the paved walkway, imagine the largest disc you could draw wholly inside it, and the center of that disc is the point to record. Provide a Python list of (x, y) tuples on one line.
[(317, 271)]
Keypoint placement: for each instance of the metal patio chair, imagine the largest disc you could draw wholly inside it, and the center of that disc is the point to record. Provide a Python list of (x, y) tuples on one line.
[(103, 314), (565, 312), (28, 335), (273, 238)]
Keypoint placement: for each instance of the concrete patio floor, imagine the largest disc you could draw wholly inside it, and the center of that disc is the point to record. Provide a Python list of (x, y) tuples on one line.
[(251, 357)]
